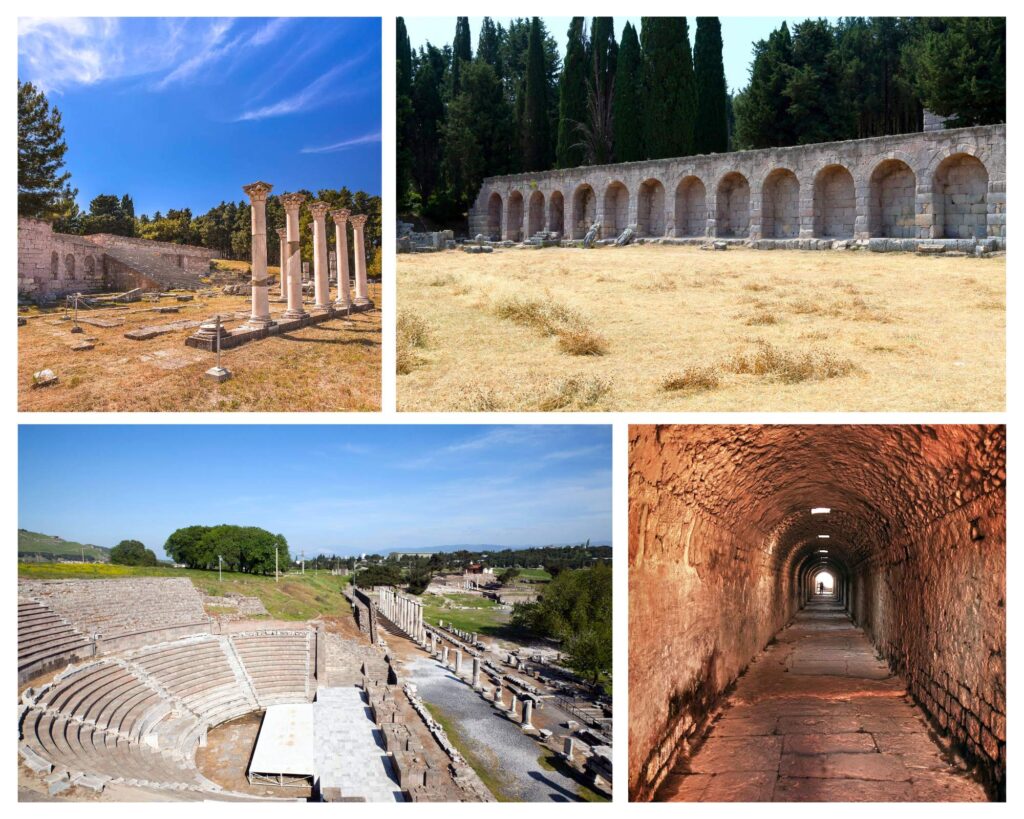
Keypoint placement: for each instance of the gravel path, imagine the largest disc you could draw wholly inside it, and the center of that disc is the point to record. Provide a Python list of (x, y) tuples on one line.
[(510, 755)]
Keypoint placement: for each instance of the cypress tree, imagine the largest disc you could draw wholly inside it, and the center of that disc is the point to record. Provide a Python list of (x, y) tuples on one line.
[(627, 107), (488, 48), (670, 91), (462, 51), (403, 117), (812, 87), (597, 130), (536, 124), (43, 189), (572, 97), (711, 129)]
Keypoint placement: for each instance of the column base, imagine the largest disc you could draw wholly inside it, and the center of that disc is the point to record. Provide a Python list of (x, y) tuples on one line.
[(258, 323), (342, 305), (294, 314), (362, 302)]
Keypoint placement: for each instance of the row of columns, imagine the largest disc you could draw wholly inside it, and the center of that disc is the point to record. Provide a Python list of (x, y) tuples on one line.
[(291, 256), (403, 611)]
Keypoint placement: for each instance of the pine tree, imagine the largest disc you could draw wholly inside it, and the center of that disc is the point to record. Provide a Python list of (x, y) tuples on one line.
[(627, 107), (670, 91), (961, 70), (711, 129), (428, 120), (488, 47), (536, 122), (761, 109), (598, 129), (43, 189), (812, 87)]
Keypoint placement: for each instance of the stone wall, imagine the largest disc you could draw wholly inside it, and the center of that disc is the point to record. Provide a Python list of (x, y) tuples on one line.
[(723, 549), (52, 264), (933, 185)]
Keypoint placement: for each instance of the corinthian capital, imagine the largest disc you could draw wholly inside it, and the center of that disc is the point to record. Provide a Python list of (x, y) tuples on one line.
[(257, 191), (292, 201)]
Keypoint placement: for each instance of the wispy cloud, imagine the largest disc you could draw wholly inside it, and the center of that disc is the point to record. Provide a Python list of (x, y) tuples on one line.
[(327, 87), (212, 48), (366, 139)]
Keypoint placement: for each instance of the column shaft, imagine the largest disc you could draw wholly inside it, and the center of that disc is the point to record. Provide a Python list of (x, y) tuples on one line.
[(292, 202), (359, 252), (260, 314)]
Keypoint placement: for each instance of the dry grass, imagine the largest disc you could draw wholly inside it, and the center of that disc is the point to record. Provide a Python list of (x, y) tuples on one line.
[(412, 333), (890, 314), (574, 334), (329, 367), (692, 379)]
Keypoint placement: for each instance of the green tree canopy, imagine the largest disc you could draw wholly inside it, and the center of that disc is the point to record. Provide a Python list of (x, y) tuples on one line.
[(670, 90), (628, 105), (378, 574), (576, 608), (132, 553), (572, 97), (243, 548), (43, 184), (711, 130)]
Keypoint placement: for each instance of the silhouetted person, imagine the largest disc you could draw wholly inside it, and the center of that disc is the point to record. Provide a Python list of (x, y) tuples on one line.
[(821, 588)]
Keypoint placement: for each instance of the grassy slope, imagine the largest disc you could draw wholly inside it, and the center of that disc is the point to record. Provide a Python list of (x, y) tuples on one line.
[(484, 617), (30, 542), (294, 597)]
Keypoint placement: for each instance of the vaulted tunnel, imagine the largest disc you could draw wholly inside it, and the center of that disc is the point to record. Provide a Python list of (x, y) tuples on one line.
[(746, 683)]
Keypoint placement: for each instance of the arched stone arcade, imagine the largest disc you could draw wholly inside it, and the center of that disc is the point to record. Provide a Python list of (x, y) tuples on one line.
[(892, 211), (733, 209), (780, 205), (514, 225), (556, 213), (691, 208), (584, 210), (835, 203), (650, 209), (616, 210), (494, 213), (961, 197), (535, 222)]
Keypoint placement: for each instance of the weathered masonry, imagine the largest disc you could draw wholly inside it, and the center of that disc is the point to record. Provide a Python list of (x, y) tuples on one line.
[(948, 184), (53, 264), (731, 525)]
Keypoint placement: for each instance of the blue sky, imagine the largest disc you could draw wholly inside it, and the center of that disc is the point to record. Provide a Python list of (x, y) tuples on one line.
[(738, 36), (341, 489), (181, 112)]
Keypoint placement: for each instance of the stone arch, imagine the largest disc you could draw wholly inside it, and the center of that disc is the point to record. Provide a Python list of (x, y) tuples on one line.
[(650, 208), (494, 209), (616, 209), (961, 197), (835, 203), (69, 266), (55, 265), (691, 207), (891, 200), (90, 268), (780, 205), (514, 226), (535, 220), (733, 210), (584, 210), (556, 212)]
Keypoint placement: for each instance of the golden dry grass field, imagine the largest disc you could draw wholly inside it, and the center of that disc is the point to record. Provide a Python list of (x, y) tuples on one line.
[(651, 328), (334, 366)]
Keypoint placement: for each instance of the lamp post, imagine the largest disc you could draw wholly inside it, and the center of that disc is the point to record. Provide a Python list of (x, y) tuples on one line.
[(275, 564), (220, 569)]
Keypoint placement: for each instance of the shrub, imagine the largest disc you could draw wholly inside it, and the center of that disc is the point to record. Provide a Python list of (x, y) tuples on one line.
[(692, 379)]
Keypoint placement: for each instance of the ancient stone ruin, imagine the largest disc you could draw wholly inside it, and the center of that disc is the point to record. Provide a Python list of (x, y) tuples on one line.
[(51, 265), (749, 679), (946, 188)]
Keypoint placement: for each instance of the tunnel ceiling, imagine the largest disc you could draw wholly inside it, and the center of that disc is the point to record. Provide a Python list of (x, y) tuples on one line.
[(879, 481)]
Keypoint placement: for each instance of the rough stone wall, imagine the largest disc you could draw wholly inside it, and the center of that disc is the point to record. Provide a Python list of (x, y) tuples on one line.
[(922, 153), (835, 204), (891, 207), (53, 264), (781, 206), (723, 549), (691, 214)]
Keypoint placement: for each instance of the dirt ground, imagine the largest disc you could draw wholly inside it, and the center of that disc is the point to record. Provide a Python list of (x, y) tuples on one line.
[(678, 328), (329, 367)]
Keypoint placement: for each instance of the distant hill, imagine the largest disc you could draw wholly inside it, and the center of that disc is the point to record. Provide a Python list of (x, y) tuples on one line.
[(39, 546)]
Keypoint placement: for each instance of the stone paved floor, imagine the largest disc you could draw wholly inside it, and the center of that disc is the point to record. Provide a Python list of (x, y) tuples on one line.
[(818, 718)]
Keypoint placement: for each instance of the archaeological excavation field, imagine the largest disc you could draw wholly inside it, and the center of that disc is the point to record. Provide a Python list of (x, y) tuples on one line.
[(330, 366), (657, 327)]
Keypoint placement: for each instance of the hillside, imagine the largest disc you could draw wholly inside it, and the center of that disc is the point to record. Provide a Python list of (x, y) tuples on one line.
[(37, 544)]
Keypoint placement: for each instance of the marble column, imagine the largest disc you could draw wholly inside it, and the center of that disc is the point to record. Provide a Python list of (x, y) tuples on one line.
[(282, 260), (321, 273), (292, 202), (444, 656), (512, 706), (476, 672), (527, 713), (458, 662), (344, 300), (359, 252), (260, 315)]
